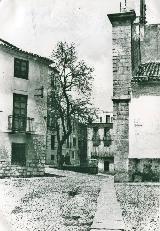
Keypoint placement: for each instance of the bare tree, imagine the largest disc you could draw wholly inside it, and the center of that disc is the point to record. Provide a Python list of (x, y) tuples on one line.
[(70, 93)]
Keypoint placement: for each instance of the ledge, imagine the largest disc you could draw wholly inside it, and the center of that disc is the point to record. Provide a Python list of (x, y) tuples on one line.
[(121, 98), (123, 16)]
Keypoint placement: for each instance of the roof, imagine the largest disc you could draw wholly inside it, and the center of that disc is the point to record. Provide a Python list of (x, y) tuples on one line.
[(148, 72), (12, 47)]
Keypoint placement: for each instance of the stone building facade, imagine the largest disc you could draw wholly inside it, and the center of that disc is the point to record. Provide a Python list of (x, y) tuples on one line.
[(99, 142), (135, 96), (23, 111)]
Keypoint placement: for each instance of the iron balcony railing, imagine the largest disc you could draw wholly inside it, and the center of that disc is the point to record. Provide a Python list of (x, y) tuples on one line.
[(17, 123)]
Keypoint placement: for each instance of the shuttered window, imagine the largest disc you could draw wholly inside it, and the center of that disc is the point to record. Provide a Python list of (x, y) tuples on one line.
[(21, 68)]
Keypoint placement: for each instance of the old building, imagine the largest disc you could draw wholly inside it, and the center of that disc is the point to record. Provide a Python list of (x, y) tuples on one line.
[(99, 142), (69, 150), (136, 95), (23, 111)]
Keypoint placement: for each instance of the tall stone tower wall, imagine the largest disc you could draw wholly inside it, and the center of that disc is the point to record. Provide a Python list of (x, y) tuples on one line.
[(122, 75)]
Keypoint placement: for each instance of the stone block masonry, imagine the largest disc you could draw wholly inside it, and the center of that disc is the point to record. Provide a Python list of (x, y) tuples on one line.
[(122, 75), (35, 160)]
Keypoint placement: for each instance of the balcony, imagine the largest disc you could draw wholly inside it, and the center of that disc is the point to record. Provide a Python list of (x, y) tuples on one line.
[(21, 124)]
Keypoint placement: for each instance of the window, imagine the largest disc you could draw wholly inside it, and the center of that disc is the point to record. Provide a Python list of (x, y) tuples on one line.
[(18, 154), (21, 68), (106, 132), (67, 142), (53, 142), (107, 118), (107, 137), (100, 119), (19, 112), (96, 137), (73, 126), (95, 130), (52, 157), (74, 142), (106, 165), (72, 154)]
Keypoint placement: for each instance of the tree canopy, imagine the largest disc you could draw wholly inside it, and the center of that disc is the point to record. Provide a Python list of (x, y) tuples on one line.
[(70, 93)]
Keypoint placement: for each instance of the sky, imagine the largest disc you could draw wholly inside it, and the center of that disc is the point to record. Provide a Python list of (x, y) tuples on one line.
[(37, 26)]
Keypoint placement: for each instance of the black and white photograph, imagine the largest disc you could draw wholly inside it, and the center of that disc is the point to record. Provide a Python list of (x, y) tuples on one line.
[(79, 115)]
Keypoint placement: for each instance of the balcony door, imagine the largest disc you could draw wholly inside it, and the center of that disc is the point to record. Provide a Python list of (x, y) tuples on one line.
[(19, 112)]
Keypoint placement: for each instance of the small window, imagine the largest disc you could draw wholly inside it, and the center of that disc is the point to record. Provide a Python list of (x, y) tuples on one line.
[(67, 142), (106, 166), (52, 142), (95, 130), (73, 126), (107, 118), (100, 119), (74, 142), (18, 154), (73, 154), (21, 68), (106, 132), (52, 157)]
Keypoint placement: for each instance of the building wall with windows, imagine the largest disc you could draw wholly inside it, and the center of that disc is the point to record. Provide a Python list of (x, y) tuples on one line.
[(99, 142), (70, 149), (23, 111)]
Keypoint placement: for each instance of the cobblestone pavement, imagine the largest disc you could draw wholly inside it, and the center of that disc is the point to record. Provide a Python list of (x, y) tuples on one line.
[(140, 203), (65, 202)]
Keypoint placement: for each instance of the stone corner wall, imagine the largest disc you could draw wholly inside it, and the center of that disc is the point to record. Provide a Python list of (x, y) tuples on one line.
[(122, 75)]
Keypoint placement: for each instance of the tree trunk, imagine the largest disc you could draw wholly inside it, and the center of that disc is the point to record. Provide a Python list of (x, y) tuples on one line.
[(60, 158)]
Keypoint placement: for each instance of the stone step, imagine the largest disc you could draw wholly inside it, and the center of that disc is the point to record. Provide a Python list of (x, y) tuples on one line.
[(109, 224)]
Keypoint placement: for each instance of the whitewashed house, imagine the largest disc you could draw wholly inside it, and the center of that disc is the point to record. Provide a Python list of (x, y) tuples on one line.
[(23, 111)]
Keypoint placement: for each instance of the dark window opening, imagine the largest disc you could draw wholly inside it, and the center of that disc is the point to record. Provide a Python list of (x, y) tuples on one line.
[(96, 138), (107, 137), (106, 165), (107, 118), (52, 157), (18, 154), (74, 142), (67, 142), (106, 131), (72, 154), (53, 142), (67, 159), (95, 130), (21, 68), (100, 119)]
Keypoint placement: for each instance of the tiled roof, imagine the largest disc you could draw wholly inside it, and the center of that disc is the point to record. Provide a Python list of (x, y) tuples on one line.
[(148, 72), (10, 46)]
